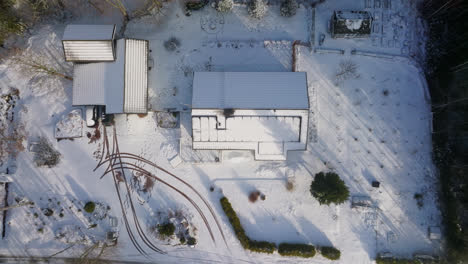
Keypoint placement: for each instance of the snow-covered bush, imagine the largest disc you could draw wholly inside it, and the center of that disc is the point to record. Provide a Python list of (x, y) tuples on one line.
[(288, 8), (45, 154), (330, 253), (328, 188), (224, 6), (257, 9), (172, 44), (296, 250)]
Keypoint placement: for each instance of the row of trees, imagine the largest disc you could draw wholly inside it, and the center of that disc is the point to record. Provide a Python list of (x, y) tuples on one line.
[(447, 72), (16, 16)]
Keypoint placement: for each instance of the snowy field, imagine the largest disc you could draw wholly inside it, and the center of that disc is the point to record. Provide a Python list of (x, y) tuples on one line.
[(372, 125)]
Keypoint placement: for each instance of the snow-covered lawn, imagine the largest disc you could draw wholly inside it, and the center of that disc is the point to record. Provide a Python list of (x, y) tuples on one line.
[(374, 125)]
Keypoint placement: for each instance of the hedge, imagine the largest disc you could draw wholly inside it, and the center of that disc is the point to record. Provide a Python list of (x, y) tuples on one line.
[(285, 249), (395, 261), (246, 242), (296, 250), (235, 222), (330, 253), (262, 246)]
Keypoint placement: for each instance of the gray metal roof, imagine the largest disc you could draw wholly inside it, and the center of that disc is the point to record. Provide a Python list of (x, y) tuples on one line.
[(136, 76), (250, 90), (88, 51), (87, 43), (89, 32), (113, 84)]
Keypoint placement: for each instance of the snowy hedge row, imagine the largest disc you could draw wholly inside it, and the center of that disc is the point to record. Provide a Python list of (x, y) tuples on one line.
[(381, 260), (246, 242), (284, 249), (296, 250), (330, 253)]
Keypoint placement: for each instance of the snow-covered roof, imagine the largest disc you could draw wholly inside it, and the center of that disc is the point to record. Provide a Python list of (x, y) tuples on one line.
[(270, 134), (250, 90), (84, 43), (116, 84), (136, 76), (101, 83), (89, 32)]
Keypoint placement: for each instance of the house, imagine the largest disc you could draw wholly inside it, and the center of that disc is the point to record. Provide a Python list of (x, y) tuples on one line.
[(264, 112), (107, 72), (351, 24)]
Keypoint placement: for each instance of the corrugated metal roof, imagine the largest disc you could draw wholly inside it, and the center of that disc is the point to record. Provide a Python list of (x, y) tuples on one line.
[(136, 76), (250, 90), (101, 83), (89, 42), (88, 84), (101, 50), (121, 85), (89, 32), (115, 80)]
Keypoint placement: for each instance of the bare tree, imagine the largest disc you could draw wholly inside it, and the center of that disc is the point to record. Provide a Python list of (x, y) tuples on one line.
[(120, 6), (38, 64), (151, 7), (347, 69)]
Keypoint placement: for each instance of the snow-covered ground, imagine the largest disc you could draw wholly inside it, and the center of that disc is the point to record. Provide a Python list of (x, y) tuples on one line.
[(374, 125)]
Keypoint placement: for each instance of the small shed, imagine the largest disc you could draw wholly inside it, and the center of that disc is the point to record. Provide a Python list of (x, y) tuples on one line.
[(351, 24), (89, 43)]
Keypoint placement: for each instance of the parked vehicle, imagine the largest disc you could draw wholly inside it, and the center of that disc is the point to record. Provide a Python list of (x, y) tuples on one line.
[(91, 115)]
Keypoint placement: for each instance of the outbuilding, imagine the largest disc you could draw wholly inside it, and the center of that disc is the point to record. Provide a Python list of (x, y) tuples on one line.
[(351, 24), (89, 43), (107, 72), (121, 85), (264, 112)]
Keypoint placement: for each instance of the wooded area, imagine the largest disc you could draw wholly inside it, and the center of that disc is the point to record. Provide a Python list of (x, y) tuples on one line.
[(447, 72)]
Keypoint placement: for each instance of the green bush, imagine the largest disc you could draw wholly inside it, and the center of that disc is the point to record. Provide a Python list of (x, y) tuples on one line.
[(262, 246), (196, 5), (166, 229), (328, 188), (296, 250), (89, 207), (235, 222), (246, 242), (330, 253), (191, 241), (9, 23), (395, 261)]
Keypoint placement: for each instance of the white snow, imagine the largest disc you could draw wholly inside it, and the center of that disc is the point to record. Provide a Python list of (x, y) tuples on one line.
[(269, 133), (360, 133), (250, 90), (71, 125), (353, 24)]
